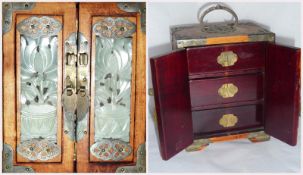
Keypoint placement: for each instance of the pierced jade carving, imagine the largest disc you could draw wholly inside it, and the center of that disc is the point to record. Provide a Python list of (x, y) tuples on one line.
[(39, 77), (113, 81)]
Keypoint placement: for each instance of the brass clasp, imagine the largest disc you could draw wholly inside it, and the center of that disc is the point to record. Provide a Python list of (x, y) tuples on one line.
[(75, 97)]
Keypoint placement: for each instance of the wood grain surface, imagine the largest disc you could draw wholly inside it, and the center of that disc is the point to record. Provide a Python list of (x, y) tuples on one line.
[(66, 12)]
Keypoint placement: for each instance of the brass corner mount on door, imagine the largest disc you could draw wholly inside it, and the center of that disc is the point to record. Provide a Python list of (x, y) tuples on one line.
[(75, 98), (7, 162), (135, 7), (140, 166), (7, 12)]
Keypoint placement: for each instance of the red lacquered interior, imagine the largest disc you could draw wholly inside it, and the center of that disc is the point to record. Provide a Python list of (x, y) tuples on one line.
[(207, 121), (202, 61), (204, 92)]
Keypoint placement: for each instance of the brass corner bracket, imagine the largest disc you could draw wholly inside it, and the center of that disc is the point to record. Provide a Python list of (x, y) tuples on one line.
[(135, 7), (7, 13), (7, 162), (140, 166)]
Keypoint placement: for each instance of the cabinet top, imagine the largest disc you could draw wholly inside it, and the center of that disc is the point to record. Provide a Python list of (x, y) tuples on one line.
[(218, 33), (184, 36)]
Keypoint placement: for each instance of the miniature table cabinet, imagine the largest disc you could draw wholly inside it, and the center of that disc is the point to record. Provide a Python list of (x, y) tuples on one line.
[(225, 80)]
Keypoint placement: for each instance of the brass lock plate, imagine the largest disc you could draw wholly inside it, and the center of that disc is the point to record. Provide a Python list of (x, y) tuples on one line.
[(75, 98), (228, 90), (227, 58), (228, 120)]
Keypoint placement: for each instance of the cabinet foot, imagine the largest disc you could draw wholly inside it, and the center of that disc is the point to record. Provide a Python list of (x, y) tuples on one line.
[(258, 137), (198, 145), (254, 137)]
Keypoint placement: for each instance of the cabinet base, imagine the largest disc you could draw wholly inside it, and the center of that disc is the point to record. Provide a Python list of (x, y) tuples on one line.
[(254, 137)]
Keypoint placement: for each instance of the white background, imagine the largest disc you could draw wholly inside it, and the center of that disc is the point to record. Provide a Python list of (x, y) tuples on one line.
[(238, 156)]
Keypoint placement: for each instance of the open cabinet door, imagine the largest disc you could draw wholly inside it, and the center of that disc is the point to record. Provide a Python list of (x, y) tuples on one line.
[(282, 100), (33, 136), (114, 129), (172, 100)]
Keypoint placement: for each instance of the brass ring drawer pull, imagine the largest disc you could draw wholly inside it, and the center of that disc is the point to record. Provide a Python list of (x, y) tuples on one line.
[(228, 90), (227, 58), (228, 120)]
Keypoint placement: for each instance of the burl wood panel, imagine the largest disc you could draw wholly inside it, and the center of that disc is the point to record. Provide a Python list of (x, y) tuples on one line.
[(282, 89), (204, 92), (171, 91), (68, 13), (207, 121), (202, 61), (87, 13)]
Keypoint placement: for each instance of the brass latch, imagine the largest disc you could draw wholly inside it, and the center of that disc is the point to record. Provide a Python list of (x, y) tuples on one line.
[(71, 59), (75, 97), (227, 58), (83, 59)]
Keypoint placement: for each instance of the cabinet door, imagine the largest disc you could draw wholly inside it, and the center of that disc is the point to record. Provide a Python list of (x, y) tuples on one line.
[(282, 99), (33, 35), (172, 99), (116, 118)]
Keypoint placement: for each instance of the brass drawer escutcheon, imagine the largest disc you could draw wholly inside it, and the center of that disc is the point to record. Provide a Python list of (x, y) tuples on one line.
[(228, 120), (228, 90), (227, 58)]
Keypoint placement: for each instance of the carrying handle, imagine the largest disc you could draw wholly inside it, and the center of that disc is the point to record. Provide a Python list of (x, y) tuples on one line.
[(217, 7)]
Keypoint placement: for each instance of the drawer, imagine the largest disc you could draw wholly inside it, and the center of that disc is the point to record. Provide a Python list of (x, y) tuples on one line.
[(221, 59), (227, 119), (205, 93)]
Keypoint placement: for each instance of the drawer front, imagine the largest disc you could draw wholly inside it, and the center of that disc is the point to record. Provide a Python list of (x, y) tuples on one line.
[(227, 119), (209, 92), (213, 60)]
